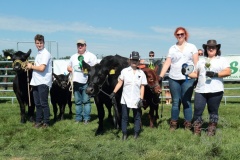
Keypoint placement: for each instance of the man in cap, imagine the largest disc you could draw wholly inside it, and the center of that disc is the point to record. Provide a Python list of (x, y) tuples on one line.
[(79, 78)]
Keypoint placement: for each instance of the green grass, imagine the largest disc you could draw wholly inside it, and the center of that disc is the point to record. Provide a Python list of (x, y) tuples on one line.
[(71, 141)]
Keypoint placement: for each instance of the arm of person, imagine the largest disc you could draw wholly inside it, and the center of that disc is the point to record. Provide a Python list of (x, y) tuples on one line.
[(224, 73), (142, 88), (40, 68), (69, 69), (118, 85), (193, 74), (195, 58), (165, 67)]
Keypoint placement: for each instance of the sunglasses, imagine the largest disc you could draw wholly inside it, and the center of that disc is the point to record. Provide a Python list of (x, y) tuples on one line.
[(181, 34), (80, 45), (151, 55), (211, 47), (200, 54), (134, 60)]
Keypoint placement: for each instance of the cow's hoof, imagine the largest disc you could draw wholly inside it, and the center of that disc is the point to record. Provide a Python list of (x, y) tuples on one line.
[(99, 132), (31, 119), (23, 121)]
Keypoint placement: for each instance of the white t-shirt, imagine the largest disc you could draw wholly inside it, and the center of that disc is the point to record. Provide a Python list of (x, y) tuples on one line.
[(178, 58), (78, 74), (131, 86), (214, 84), (45, 77)]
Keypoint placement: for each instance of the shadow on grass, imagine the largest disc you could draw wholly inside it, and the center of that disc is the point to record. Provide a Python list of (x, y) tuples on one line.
[(4, 100)]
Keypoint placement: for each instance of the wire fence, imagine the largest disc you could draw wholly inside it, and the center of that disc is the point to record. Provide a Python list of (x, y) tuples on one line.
[(6, 83)]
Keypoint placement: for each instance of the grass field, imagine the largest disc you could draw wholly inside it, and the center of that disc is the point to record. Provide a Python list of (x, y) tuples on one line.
[(66, 140)]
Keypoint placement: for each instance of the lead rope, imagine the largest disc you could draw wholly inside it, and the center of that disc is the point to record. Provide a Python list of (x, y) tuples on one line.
[(70, 80)]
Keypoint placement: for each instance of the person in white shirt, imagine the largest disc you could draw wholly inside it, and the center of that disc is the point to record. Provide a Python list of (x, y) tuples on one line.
[(133, 81), (181, 87), (209, 90), (82, 99), (41, 82)]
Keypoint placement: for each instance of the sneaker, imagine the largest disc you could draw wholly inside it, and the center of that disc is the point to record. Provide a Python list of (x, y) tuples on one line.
[(45, 125), (77, 122), (86, 122), (37, 125)]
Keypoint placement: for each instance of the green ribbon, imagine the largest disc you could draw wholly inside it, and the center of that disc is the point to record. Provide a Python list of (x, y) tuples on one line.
[(80, 59), (151, 66)]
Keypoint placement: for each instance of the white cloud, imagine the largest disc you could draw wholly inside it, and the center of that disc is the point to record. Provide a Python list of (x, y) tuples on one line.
[(159, 40)]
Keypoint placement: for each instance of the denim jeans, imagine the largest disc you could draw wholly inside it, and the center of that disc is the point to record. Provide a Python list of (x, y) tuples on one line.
[(181, 92), (82, 102), (40, 95), (125, 117), (212, 100)]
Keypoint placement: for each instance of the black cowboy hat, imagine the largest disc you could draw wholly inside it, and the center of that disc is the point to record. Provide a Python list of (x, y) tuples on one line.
[(135, 55), (211, 43)]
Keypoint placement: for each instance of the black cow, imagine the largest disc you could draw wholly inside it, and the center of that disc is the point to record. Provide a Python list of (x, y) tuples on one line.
[(102, 80), (60, 95), (21, 84)]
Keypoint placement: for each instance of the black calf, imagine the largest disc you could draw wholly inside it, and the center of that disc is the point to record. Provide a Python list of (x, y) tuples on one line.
[(60, 95)]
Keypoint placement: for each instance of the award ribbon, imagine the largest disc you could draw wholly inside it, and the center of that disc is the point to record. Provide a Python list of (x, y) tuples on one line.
[(80, 59)]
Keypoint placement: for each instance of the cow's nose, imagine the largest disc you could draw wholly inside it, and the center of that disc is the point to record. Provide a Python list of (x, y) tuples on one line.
[(89, 90)]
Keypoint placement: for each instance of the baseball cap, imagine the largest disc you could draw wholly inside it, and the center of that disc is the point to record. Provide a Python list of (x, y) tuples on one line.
[(81, 41)]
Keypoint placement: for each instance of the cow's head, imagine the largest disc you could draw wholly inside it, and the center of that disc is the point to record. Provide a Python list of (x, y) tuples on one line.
[(96, 78), (104, 73), (153, 79), (18, 59), (62, 80)]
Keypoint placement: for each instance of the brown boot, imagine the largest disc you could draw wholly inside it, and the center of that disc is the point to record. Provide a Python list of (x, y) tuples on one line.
[(173, 125), (188, 125), (212, 129), (197, 128)]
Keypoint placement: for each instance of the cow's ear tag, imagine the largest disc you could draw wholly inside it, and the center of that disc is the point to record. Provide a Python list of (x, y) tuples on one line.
[(8, 57), (85, 71), (112, 71)]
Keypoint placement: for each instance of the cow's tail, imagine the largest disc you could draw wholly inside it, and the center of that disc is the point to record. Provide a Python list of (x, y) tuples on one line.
[(28, 85)]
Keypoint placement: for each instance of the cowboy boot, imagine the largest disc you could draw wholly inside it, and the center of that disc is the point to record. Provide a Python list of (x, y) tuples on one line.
[(197, 128), (173, 125), (188, 125), (211, 129)]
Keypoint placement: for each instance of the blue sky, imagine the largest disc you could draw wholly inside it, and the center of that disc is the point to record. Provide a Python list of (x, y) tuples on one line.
[(118, 27)]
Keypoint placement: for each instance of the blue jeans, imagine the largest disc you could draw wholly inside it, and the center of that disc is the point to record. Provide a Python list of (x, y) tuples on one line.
[(82, 101), (40, 95), (181, 92), (125, 117), (212, 100)]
